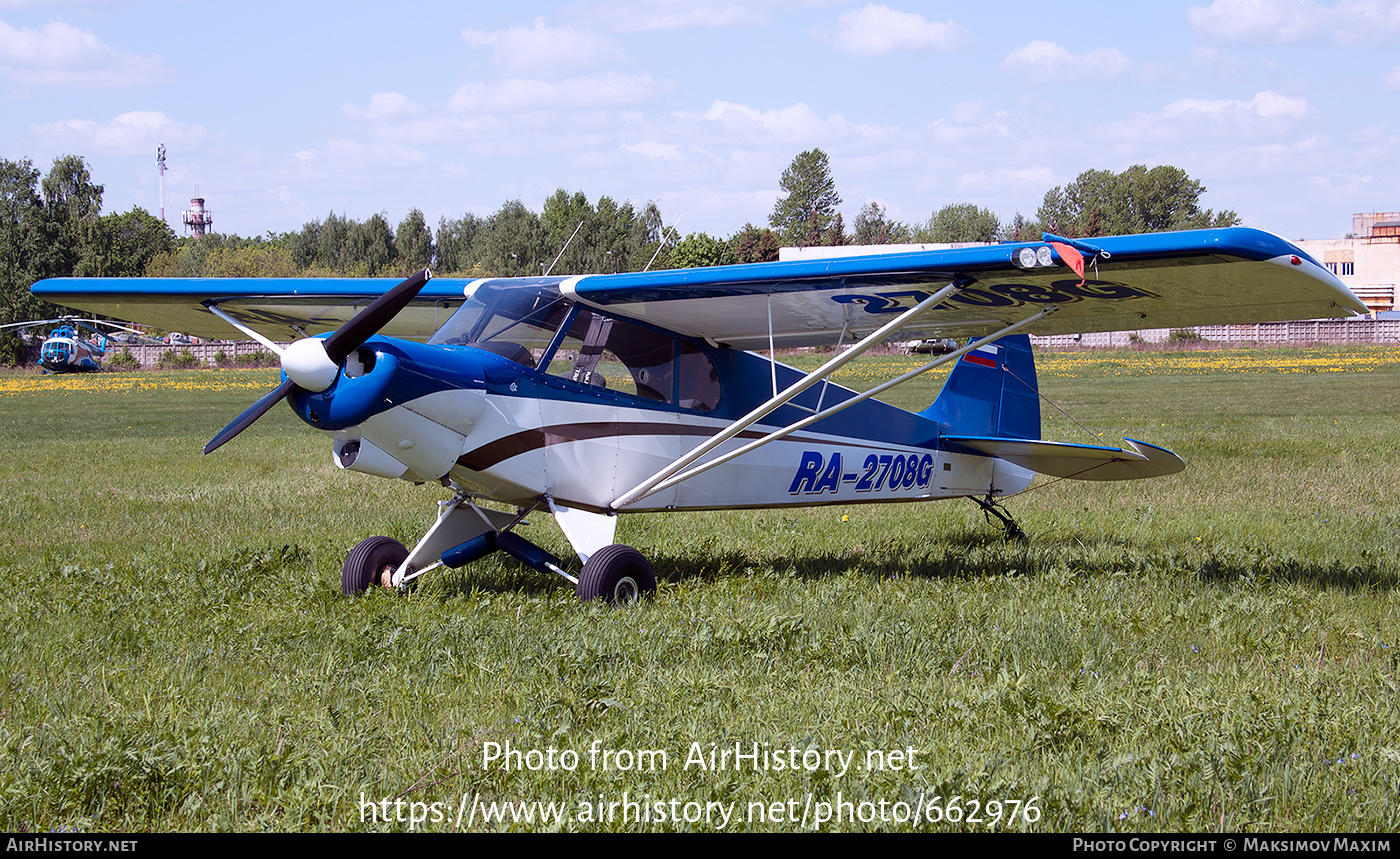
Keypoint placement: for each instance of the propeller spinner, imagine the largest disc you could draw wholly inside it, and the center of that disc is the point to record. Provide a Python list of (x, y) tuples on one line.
[(314, 364)]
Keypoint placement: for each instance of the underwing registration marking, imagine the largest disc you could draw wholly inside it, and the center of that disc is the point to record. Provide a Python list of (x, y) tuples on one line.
[(998, 295), (817, 473)]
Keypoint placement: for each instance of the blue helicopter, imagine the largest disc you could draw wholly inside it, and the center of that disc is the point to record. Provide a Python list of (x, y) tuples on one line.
[(76, 345)]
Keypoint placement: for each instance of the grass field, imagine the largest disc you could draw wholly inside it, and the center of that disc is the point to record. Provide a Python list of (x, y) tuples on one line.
[(1216, 650)]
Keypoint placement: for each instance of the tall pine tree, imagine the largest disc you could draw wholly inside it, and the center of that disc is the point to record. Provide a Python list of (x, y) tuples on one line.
[(806, 214)]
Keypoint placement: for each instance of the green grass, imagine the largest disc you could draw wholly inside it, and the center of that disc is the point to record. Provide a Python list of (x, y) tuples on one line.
[(1215, 650)]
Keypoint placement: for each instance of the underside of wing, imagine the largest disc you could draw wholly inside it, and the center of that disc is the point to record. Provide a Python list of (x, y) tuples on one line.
[(1134, 461), (1158, 280), (277, 308)]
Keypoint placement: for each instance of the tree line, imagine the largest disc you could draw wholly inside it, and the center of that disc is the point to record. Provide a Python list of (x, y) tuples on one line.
[(569, 236), (52, 226), (1097, 203)]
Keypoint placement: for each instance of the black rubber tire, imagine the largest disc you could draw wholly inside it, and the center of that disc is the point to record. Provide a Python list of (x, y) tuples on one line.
[(367, 560), (616, 574)]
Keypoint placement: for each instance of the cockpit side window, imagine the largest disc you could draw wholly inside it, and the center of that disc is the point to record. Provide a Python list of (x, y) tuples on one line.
[(618, 355), (698, 383), (522, 324)]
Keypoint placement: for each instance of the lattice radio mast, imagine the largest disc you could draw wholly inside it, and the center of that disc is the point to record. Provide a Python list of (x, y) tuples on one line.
[(160, 165)]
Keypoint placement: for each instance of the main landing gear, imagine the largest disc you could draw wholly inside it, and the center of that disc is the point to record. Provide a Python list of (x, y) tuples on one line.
[(617, 574), (465, 532), (372, 562)]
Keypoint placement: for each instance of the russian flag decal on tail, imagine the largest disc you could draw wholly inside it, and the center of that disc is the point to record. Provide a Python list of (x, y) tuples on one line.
[(984, 356)]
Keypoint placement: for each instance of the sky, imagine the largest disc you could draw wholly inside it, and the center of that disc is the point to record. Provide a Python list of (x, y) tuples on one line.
[(1288, 111)]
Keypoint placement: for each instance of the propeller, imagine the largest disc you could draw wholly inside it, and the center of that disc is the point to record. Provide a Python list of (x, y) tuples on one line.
[(314, 364)]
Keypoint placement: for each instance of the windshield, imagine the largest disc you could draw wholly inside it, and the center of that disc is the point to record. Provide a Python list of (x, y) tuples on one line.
[(518, 324), (521, 324)]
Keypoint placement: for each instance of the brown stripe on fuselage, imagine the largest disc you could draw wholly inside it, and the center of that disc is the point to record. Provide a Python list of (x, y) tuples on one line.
[(498, 451)]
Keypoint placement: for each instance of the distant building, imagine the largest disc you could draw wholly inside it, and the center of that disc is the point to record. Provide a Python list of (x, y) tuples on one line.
[(836, 251), (1367, 260)]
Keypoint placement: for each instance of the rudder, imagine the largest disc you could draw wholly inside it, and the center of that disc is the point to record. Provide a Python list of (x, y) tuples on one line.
[(992, 391)]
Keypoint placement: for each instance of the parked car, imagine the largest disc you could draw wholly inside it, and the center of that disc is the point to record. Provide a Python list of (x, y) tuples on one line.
[(933, 347)]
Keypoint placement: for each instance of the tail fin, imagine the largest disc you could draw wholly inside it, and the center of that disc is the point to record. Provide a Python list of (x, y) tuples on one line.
[(991, 392), (991, 406)]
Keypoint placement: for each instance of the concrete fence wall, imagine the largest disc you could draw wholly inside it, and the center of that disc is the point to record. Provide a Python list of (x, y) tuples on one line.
[(149, 356), (1328, 331)]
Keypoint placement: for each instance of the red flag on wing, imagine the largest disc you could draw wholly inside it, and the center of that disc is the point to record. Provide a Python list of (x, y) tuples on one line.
[(1073, 258)]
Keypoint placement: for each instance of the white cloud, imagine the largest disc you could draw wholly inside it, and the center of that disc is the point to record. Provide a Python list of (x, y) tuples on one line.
[(966, 124), (282, 197), (356, 159), (60, 54), (655, 149), (1392, 80), (1244, 140), (792, 122), (968, 113), (1289, 22), (732, 126), (1342, 187), (1048, 62), (384, 106), (1265, 104), (1212, 64), (133, 133), (1024, 182), (641, 15), (587, 92), (541, 51), (873, 31)]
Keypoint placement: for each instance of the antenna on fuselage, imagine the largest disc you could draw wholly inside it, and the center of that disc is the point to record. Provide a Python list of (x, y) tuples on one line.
[(665, 236)]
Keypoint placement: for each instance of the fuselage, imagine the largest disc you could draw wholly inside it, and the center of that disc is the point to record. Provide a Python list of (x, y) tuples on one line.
[(515, 429)]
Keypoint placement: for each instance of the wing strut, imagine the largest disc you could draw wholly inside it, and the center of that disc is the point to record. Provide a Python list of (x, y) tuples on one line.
[(222, 314), (669, 477), (650, 485)]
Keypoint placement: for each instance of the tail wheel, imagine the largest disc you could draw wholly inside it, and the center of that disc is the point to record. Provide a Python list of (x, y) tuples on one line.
[(367, 562), (616, 574)]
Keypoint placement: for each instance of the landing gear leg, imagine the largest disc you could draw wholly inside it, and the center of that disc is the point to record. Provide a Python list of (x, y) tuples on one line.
[(990, 508)]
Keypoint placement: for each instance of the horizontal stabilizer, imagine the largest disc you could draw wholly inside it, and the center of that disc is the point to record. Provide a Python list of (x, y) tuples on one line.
[(1077, 461)]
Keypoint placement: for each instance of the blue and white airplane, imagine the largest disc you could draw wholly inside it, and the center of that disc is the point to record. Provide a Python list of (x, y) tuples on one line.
[(590, 396)]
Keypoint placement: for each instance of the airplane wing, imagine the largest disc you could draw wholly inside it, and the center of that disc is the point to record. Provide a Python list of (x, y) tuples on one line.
[(1155, 280), (278, 308)]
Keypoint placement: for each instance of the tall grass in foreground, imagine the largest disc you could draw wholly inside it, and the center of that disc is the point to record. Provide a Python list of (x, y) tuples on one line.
[(1214, 650)]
